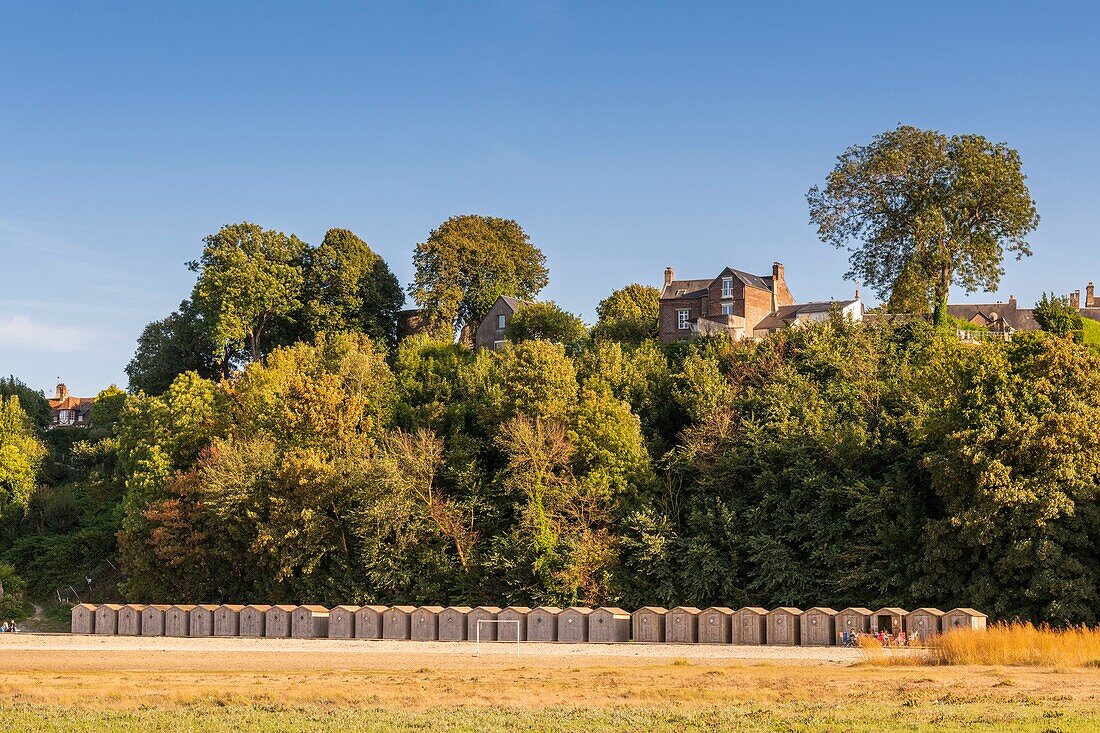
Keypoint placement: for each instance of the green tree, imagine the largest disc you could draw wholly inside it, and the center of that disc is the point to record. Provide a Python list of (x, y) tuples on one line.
[(108, 406), (21, 454), (33, 402), (928, 211), (629, 314), (181, 342), (545, 321), (470, 261), (248, 278), (1055, 315), (348, 287)]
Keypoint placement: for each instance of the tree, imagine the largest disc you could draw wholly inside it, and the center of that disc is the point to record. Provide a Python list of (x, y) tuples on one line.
[(470, 261), (21, 454), (33, 403), (629, 314), (108, 406), (348, 287), (1055, 315), (248, 278), (545, 321), (181, 342), (929, 211)]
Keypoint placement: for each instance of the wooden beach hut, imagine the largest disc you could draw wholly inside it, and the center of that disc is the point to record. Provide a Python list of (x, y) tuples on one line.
[(397, 622), (277, 621), (253, 620), (152, 619), (963, 618), (818, 627), (106, 619), (424, 623), (368, 622), (452, 623), (853, 620), (890, 620), (750, 626), (129, 619), (923, 623), (201, 620), (682, 625), (716, 625), (83, 618), (482, 613), (608, 625), (783, 626), (309, 622), (341, 622), (573, 625), (509, 631), (227, 619), (542, 624), (177, 620), (647, 624)]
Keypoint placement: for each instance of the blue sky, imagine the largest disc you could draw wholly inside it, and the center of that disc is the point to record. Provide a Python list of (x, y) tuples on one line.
[(624, 137)]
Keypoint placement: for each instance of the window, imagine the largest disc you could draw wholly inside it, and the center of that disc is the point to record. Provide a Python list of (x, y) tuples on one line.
[(502, 320), (498, 345), (727, 309), (682, 319), (727, 287), (680, 292)]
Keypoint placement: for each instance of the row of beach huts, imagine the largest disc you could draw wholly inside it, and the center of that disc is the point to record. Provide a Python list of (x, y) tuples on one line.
[(784, 626)]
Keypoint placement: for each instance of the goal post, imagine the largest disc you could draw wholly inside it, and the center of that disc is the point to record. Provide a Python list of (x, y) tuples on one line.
[(477, 633)]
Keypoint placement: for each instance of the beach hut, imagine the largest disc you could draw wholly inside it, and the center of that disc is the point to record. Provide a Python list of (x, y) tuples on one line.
[(783, 626), (396, 622), (424, 623), (818, 627), (716, 625), (452, 623), (573, 625), (201, 620), (253, 620), (129, 619), (227, 620), (542, 623), (510, 631), (682, 625), (648, 624), (923, 623), (277, 621), (83, 615), (106, 619), (368, 622), (608, 625), (963, 618), (177, 620), (341, 622), (854, 620), (482, 613), (890, 620), (309, 622), (152, 619), (750, 626)]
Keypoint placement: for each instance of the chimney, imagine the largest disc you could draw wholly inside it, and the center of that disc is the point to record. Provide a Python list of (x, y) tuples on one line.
[(1075, 299), (1090, 297), (777, 272), (857, 293), (670, 275), (62, 392), (1012, 300)]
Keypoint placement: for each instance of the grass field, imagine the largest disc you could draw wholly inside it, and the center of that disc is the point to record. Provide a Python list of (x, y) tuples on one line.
[(167, 690)]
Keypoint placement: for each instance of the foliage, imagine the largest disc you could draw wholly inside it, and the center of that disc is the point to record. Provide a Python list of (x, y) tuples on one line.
[(1055, 315), (629, 314), (33, 402), (1018, 644), (181, 342), (470, 261), (248, 278), (348, 287), (21, 455), (545, 321), (929, 211), (107, 407)]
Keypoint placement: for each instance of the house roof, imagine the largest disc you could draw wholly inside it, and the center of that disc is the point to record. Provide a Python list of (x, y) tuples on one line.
[(1090, 313), (989, 314), (787, 314), (514, 303), (697, 288), (968, 612)]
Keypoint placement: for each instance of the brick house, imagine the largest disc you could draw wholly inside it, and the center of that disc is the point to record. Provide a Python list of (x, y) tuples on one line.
[(490, 332), (803, 314), (732, 303), (66, 410), (998, 319)]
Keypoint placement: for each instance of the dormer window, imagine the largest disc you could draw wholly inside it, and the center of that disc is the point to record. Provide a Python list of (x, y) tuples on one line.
[(727, 287), (681, 292)]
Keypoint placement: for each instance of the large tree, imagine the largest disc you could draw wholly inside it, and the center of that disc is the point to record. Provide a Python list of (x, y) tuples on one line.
[(33, 403), (470, 261), (349, 287), (545, 321), (21, 454), (926, 211), (179, 343), (248, 278), (629, 314)]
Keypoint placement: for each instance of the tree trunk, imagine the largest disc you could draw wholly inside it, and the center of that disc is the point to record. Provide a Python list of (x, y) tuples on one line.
[(939, 312)]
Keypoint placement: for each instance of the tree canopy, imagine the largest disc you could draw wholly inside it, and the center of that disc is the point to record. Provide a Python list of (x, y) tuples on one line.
[(921, 211), (629, 314), (545, 321), (470, 261)]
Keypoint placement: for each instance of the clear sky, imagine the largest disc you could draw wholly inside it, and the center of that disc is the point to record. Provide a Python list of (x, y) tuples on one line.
[(623, 137)]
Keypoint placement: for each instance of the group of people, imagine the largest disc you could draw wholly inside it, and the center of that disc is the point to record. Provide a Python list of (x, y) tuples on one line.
[(8, 627), (885, 638)]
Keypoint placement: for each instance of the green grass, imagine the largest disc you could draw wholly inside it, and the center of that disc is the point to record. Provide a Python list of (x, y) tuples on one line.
[(886, 716)]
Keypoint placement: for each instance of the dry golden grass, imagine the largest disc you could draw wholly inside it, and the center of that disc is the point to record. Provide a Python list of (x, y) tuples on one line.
[(1018, 644)]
